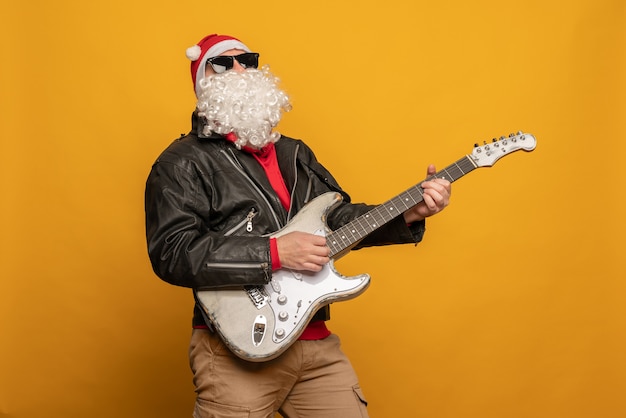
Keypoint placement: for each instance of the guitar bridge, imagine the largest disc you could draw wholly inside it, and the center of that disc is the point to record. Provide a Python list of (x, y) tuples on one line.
[(257, 295)]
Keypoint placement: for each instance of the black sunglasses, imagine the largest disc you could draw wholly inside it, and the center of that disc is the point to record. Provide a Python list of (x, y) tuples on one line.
[(222, 63)]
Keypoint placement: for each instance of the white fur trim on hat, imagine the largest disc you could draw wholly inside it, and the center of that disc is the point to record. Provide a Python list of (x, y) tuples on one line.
[(223, 46)]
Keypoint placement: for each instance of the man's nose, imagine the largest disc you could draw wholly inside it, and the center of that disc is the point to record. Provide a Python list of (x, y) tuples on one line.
[(238, 67)]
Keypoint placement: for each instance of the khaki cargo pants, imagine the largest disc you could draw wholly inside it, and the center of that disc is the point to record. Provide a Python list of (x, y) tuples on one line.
[(312, 379)]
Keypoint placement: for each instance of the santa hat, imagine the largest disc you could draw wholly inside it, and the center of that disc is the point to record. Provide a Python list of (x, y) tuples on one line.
[(210, 46)]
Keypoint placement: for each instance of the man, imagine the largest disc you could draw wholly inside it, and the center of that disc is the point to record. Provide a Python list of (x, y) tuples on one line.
[(213, 199)]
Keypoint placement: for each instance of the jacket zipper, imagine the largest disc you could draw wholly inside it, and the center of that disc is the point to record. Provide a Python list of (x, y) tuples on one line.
[(295, 181), (263, 266), (247, 221)]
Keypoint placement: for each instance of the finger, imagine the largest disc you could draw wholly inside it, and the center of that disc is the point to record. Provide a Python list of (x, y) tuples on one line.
[(441, 186), (439, 200), (430, 170), (311, 267), (315, 263), (319, 251), (429, 202), (445, 184), (317, 240), (321, 260)]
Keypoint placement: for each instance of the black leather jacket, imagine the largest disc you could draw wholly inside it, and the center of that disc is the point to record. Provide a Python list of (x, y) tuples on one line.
[(209, 208)]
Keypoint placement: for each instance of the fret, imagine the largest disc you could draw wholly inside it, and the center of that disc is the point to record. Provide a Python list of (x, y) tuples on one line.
[(346, 233), (447, 175), (407, 200), (399, 205), (333, 245)]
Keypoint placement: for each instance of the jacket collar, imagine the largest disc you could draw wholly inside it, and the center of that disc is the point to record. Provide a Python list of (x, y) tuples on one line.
[(197, 126)]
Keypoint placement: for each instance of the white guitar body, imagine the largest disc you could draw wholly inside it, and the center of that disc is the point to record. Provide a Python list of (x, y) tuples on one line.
[(260, 322)]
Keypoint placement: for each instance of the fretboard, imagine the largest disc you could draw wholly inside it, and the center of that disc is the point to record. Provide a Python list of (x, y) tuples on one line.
[(350, 234)]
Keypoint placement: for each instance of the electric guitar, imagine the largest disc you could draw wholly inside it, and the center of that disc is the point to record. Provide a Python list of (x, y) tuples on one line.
[(258, 323)]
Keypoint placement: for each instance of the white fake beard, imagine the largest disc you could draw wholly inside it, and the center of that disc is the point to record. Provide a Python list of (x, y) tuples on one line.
[(247, 103)]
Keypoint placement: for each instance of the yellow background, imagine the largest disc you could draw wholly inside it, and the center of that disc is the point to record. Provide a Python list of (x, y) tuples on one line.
[(513, 306)]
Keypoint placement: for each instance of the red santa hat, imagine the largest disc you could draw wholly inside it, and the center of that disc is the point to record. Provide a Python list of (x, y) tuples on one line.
[(210, 46)]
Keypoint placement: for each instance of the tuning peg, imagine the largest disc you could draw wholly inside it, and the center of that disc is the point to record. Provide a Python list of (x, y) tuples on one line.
[(494, 140), (476, 145)]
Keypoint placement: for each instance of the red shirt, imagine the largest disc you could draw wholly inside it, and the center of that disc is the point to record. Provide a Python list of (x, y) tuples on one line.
[(266, 156)]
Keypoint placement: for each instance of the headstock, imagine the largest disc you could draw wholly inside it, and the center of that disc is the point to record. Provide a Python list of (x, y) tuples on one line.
[(487, 154)]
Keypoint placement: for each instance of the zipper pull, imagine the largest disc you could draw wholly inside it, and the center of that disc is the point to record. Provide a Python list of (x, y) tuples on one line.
[(251, 215)]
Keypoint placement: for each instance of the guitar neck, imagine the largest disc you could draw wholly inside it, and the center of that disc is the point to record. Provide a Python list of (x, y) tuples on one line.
[(349, 235)]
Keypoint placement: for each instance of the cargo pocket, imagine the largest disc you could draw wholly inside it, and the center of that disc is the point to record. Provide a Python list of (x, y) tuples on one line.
[(361, 400), (208, 409)]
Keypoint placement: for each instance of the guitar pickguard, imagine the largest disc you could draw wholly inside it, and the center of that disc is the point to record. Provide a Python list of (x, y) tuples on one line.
[(303, 293)]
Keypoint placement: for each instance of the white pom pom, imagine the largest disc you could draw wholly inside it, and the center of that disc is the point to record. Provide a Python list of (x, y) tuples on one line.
[(193, 52)]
